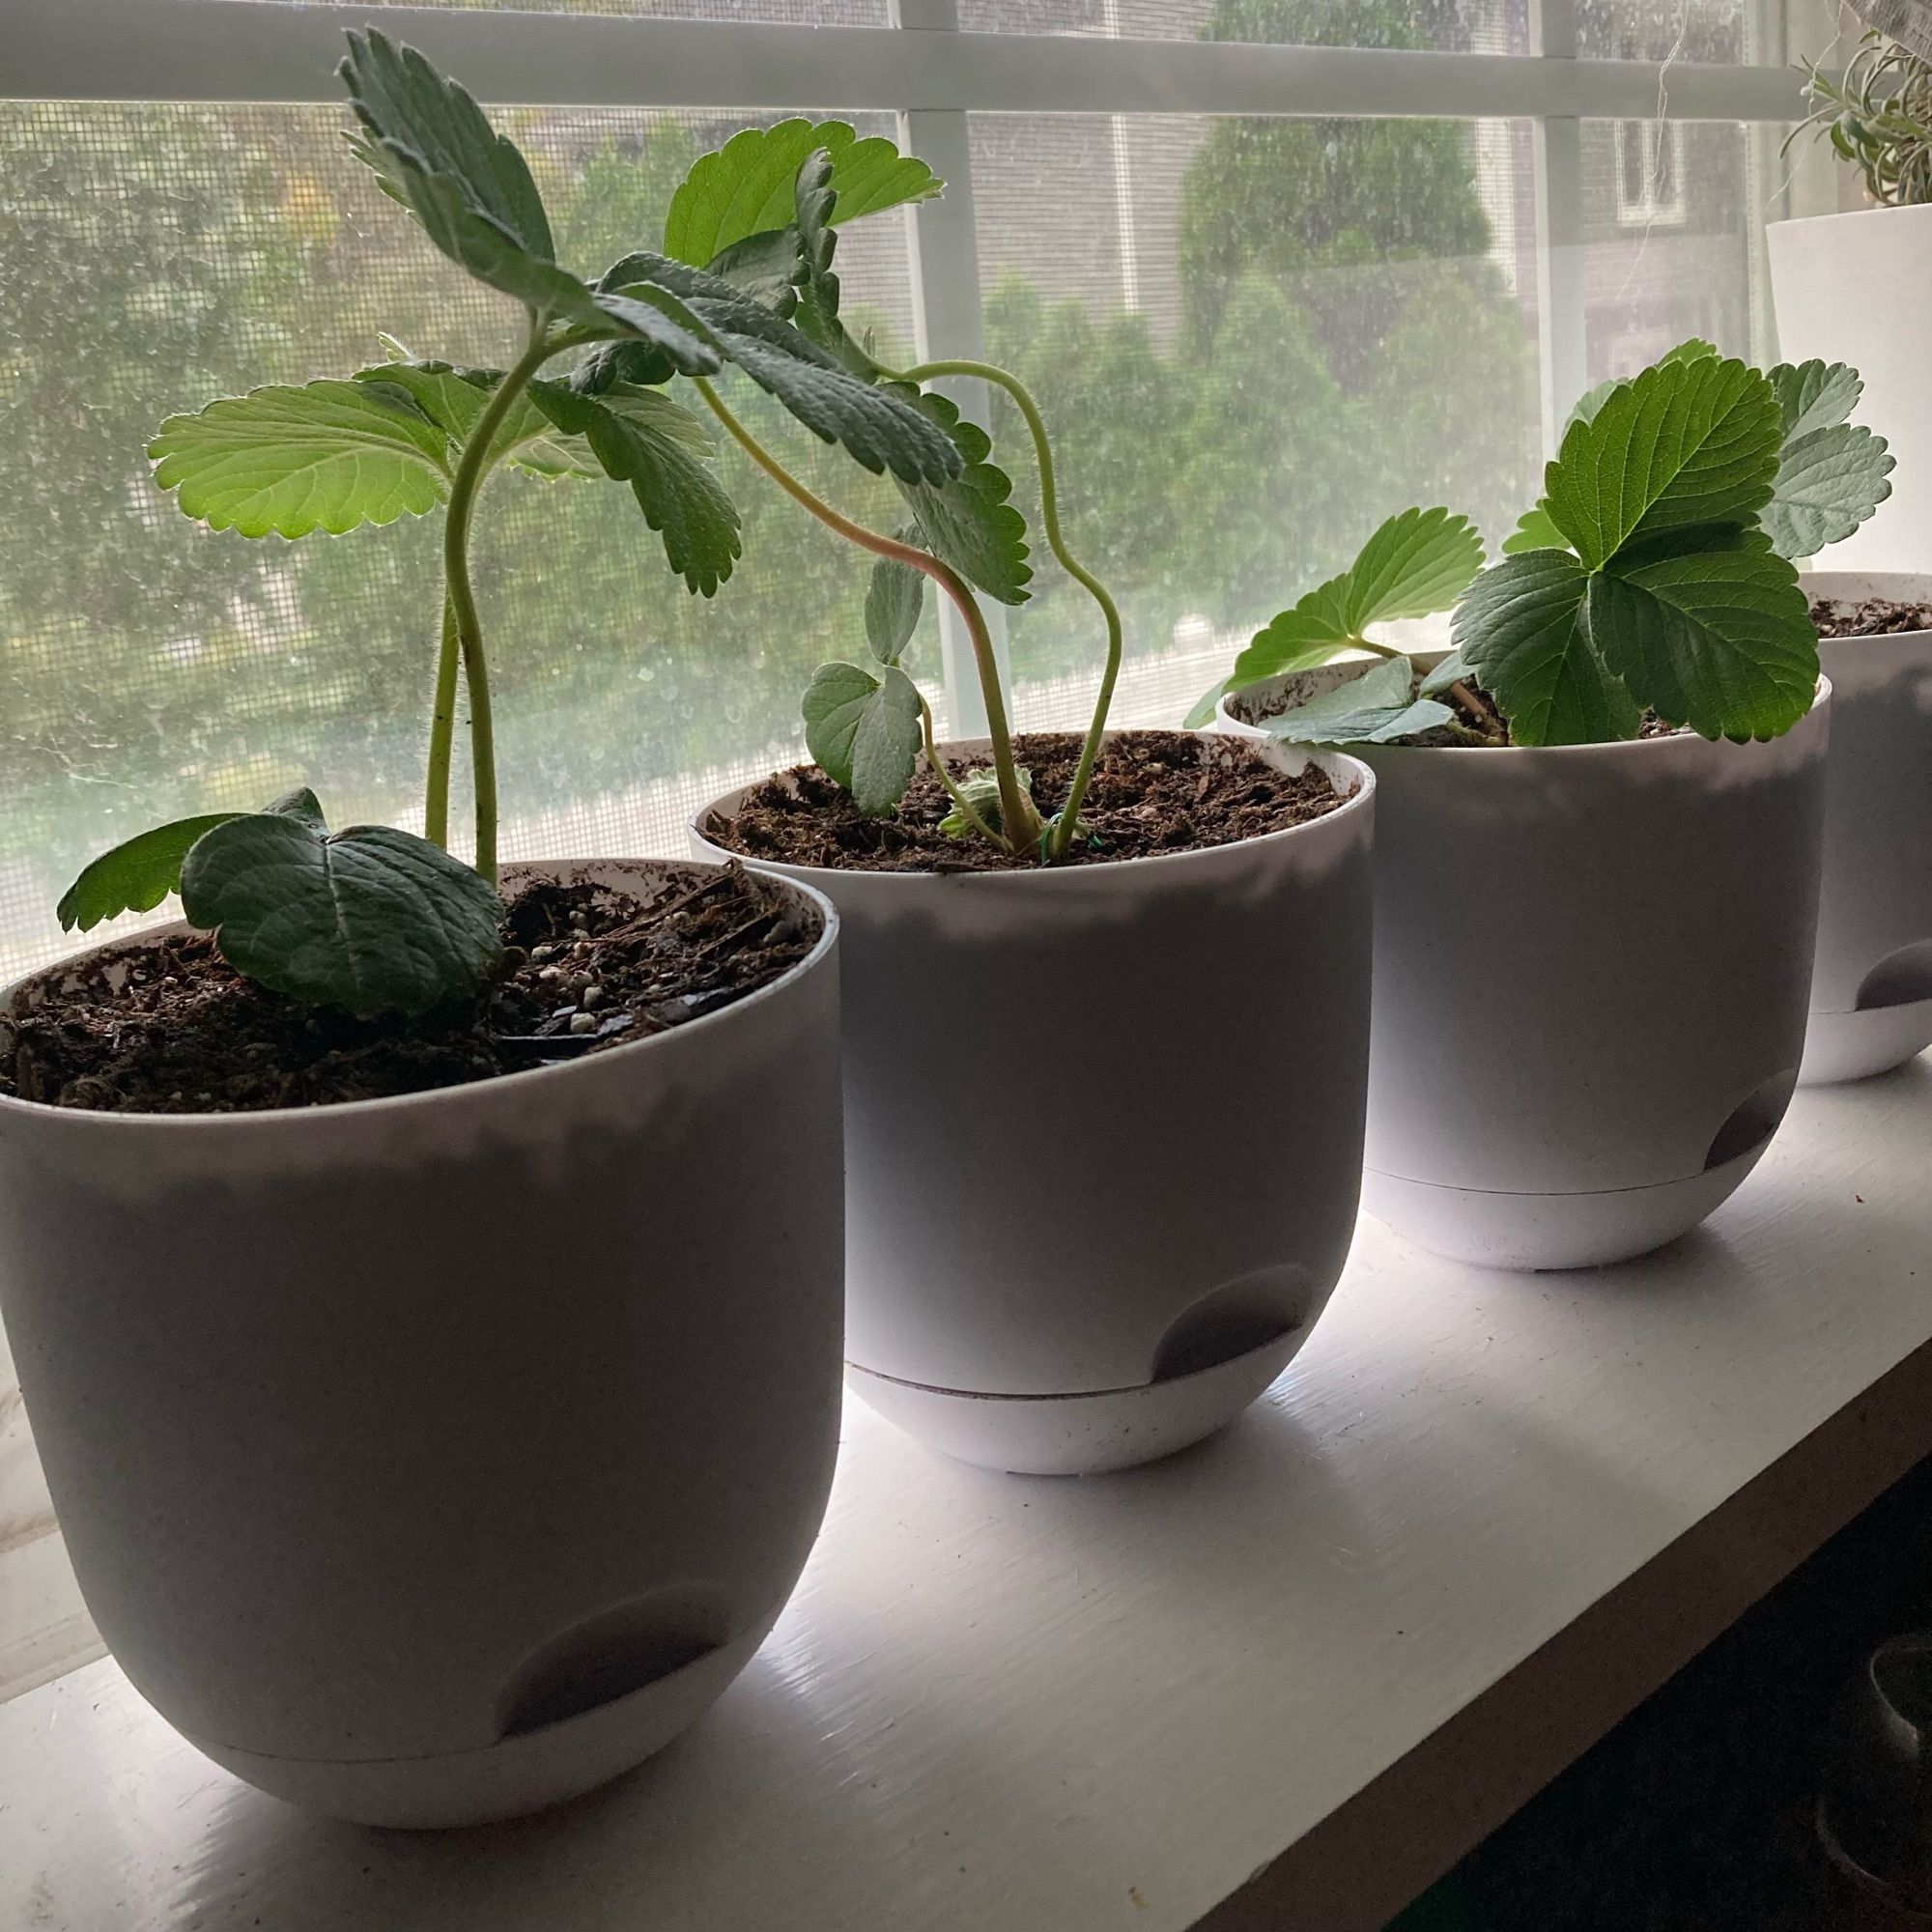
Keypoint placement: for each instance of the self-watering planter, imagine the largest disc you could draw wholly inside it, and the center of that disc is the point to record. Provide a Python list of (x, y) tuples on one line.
[(1103, 1133), (1857, 288), (1591, 970), (429, 1460), (1872, 988)]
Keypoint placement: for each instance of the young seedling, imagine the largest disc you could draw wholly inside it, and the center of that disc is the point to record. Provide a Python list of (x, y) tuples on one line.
[(1416, 564), (765, 205), (1656, 575), (378, 921)]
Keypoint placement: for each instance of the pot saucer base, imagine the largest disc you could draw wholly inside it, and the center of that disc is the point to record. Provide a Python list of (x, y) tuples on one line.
[(1083, 1435), (1854, 1046), (1550, 1231), (513, 1777)]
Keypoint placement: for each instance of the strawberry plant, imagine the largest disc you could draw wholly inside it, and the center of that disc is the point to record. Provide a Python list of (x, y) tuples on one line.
[(1655, 577), (375, 920)]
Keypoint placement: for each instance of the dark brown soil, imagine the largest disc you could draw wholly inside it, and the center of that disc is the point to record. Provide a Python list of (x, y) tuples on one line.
[(185, 1033), (1493, 728), (1152, 792), (1874, 617)]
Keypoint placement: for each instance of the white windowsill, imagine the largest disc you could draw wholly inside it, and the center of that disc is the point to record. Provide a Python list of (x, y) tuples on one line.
[(1480, 1518)]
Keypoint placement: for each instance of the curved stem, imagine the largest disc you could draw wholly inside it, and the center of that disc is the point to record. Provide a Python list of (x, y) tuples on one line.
[(961, 803), (1062, 834), (441, 734), (470, 473), (1017, 808)]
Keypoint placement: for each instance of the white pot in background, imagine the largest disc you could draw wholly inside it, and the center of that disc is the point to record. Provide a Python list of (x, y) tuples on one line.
[(1858, 288), (1872, 988), (427, 1460), (1103, 1134), (1591, 973)]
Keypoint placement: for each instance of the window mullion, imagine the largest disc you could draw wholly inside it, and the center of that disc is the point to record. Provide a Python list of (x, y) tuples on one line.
[(1563, 364), (947, 323)]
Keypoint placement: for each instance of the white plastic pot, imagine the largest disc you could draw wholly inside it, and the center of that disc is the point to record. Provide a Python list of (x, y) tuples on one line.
[(430, 1460), (1591, 969), (1858, 288), (1872, 988), (1103, 1134)]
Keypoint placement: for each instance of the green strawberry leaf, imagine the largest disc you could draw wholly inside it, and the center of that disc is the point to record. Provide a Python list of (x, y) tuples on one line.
[(894, 599), (1683, 443), (1376, 708), (140, 872), (769, 267), (134, 876), (747, 186), (818, 294), (879, 430), (677, 492), (455, 398), (967, 519), (1535, 531), (1416, 564), (301, 805), (1815, 395), (1714, 634), (864, 730), (1589, 404), (1314, 631), (371, 920), (1592, 400), (405, 106), (432, 150), (1521, 630), (652, 333), (1828, 481), (330, 456)]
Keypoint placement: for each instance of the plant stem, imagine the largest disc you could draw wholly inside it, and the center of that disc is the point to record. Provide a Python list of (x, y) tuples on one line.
[(961, 803), (464, 485), (1016, 809), (1049, 515), (441, 734), (1466, 696)]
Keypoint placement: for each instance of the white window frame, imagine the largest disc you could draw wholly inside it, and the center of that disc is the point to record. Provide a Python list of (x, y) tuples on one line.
[(924, 69)]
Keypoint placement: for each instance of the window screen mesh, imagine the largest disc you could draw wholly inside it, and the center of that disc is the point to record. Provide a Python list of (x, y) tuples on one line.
[(778, 12), (1254, 338), (159, 257), (1257, 339), (1697, 30), (1478, 26), (1671, 215)]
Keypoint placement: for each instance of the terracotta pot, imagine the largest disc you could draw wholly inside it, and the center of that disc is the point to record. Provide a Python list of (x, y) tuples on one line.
[(430, 1460), (1591, 972), (1872, 988), (1056, 1082), (1857, 288)]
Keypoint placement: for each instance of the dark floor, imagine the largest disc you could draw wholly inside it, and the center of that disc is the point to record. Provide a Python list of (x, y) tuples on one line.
[(1694, 1814)]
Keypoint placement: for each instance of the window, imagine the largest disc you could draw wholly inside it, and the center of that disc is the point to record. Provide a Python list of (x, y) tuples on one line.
[(1276, 266), (1650, 173)]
